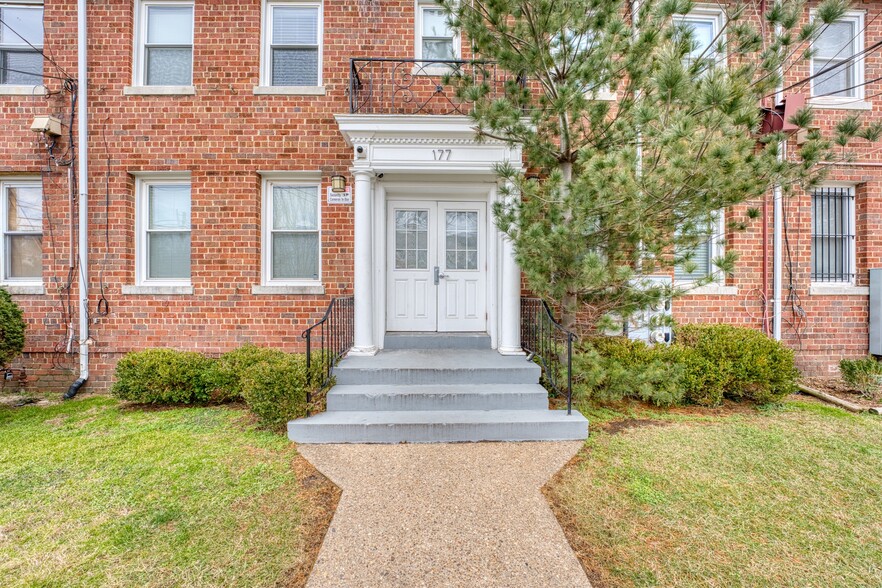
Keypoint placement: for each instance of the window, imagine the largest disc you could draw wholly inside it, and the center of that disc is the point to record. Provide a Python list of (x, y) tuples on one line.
[(163, 215), (435, 40), (22, 231), (701, 257), (21, 43), (165, 53), (292, 243), (292, 44), (833, 235), (839, 73), (705, 25)]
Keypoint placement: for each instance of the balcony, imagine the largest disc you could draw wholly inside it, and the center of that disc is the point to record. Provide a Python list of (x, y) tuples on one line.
[(414, 86)]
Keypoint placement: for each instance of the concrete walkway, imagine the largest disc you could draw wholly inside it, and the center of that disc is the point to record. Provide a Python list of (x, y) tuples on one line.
[(444, 515)]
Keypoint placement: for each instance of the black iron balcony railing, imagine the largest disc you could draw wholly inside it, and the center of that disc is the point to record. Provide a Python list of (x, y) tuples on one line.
[(416, 86), (544, 339)]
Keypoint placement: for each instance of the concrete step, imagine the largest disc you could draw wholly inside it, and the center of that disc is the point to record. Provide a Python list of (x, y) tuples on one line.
[(438, 426), (437, 341), (437, 366), (438, 397)]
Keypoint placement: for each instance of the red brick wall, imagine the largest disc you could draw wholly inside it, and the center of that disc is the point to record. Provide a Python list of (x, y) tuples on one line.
[(225, 134)]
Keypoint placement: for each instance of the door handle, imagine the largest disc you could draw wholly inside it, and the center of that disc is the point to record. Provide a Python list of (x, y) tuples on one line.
[(438, 275)]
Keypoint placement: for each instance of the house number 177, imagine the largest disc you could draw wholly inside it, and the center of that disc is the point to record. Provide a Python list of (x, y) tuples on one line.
[(441, 154)]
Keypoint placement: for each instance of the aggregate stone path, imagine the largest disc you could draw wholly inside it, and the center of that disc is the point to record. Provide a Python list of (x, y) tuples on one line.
[(444, 515)]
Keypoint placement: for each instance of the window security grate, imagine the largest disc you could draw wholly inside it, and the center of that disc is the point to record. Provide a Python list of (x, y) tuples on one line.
[(833, 235)]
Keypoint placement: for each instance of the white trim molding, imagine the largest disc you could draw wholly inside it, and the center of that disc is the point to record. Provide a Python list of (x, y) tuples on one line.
[(139, 49), (144, 284), (266, 86), (159, 90), (857, 67), (269, 284), (18, 285), (833, 289), (157, 290)]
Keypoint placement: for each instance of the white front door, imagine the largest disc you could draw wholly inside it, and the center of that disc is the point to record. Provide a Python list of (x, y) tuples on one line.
[(437, 256)]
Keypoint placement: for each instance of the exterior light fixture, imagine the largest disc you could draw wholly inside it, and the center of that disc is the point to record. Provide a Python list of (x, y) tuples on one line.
[(338, 184)]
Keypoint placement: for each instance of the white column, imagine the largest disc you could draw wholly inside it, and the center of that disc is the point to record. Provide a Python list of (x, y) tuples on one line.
[(363, 286), (510, 311)]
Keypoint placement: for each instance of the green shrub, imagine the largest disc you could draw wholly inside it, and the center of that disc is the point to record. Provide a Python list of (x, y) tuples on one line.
[(12, 329), (163, 376), (864, 375), (612, 368), (227, 373), (700, 381), (275, 389), (748, 365)]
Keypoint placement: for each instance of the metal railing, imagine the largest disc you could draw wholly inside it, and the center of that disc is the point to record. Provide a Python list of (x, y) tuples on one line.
[(545, 339), (329, 339), (415, 86)]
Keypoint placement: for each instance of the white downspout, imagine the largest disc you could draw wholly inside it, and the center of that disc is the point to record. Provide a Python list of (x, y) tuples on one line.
[(83, 224), (778, 218)]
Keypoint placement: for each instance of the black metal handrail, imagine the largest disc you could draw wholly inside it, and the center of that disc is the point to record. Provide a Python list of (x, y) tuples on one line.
[(334, 334), (544, 338), (381, 85)]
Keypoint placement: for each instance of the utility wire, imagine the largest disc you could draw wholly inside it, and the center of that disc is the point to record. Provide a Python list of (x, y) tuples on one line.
[(859, 55), (30, 73), (38, 50)]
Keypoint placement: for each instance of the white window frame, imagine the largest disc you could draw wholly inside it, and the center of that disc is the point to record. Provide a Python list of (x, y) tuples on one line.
[(12, 182), (37, 89), (266, 253), (856, 17), (142, 190), (139, 61), (419, 7), (717, 249), (266, 62), (714, 15), (852, 220)]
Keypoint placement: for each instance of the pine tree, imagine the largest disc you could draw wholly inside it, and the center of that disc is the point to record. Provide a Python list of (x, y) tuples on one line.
[(629, 187)]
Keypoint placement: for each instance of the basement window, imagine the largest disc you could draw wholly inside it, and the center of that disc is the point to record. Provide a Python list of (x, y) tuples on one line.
[(164, 42), (21, 45), (292, 47), (22, 220), (163, 239)]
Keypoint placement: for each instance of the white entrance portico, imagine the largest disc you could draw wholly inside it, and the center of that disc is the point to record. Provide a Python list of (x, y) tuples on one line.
[(428, 256)]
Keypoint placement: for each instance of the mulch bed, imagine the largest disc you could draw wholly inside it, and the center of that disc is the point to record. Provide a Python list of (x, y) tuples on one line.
[(838, 388)]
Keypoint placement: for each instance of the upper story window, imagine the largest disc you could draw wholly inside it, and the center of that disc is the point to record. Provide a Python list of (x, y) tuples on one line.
[(434, 39), (292, 52), (837, 71), (292, 243), (833, 235), (163, 240), (21, 43), (164, 44), (22, 220), (706, 26)]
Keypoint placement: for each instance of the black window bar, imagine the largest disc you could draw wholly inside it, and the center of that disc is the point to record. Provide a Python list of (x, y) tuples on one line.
[(543, 338), (327, 341), (833, 235)]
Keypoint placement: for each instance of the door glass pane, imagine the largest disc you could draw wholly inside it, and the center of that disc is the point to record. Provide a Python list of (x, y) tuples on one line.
[(25, 256), (169, 207), (462, 240), (169, 66), (25, 209), (168, 255), (295, 208), (295, 256), (169, 25), (411, 239)]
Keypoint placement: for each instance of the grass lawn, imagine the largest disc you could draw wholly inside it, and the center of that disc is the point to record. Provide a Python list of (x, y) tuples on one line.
[(93, 493), (784, 496)]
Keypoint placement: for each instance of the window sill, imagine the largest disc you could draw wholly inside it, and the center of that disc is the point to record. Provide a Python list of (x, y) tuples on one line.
[(830, 102), (432, 70), (23, 91), (838, 290), (289, 90), (289, 289), (24, 288), (159, 90), (158, 290), (711, 290)]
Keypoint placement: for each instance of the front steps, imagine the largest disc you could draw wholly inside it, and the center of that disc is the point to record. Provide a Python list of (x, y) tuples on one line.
[(449, 390)]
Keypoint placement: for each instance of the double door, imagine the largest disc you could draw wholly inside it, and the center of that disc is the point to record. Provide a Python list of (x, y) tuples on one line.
[(436, 266)]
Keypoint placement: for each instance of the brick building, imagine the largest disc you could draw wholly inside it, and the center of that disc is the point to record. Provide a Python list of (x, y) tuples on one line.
[(216, 127)]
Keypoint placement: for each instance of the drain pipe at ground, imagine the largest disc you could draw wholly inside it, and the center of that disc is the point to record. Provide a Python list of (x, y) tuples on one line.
[(83, 224), (849, 406)]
